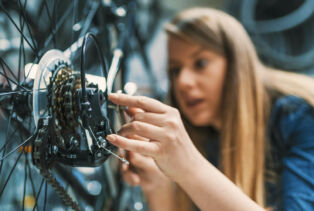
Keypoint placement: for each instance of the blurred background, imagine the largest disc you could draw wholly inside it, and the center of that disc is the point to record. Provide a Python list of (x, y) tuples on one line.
[(281, 30)]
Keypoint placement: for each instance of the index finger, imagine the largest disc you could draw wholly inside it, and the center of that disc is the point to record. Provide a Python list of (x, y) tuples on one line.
[(132, 111), (145, 103), (142, 147)]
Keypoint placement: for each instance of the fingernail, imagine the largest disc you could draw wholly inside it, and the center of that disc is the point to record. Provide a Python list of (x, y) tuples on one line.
[(136, 181), (124, 167), (113, 95), (111, 138)]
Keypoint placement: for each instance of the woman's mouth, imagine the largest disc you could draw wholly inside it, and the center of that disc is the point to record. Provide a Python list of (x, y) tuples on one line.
[(193, 103)]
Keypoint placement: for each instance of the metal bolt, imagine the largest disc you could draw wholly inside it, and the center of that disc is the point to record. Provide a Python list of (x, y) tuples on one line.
[(75, 142), (55, 149), (102, 142)]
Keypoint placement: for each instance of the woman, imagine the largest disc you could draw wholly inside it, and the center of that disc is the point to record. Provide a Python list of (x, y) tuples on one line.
[(262, 118)]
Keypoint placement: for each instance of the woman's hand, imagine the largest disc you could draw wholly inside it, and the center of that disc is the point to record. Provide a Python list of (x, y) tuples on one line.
[(143, 171), (174, 153), (158, 189), (169, 144)]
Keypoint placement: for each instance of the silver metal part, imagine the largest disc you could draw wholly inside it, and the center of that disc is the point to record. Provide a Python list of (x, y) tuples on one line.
[(114, 68), (122, 159), (46, 66)]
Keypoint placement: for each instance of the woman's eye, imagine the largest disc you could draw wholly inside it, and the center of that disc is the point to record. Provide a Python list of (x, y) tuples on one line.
[(200, 63)]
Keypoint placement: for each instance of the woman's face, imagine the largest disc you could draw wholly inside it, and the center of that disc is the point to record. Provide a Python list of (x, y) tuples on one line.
[(198, 76)]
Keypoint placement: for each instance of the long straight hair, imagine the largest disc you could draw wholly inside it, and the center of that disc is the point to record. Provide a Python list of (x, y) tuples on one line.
[(248, 89)]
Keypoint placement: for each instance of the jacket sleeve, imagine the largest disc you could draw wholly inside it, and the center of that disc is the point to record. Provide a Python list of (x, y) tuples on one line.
[(296, 128)]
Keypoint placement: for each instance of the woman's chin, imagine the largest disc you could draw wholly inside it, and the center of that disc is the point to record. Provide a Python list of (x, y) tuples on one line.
[(200, 121)]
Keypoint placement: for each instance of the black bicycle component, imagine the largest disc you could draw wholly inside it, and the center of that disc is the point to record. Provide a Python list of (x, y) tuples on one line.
[(70, 141), (51, 111)]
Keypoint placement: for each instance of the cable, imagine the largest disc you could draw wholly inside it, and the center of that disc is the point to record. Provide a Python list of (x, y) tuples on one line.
[(85, 102), (100, 57)]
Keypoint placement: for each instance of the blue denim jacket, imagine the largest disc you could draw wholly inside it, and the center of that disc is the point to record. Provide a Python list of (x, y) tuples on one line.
[(291, 157), (291, 128)]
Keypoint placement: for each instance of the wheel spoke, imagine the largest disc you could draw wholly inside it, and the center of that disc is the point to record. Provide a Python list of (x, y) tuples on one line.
[(58, 26), (38, 193), (45, 201), (14, 92), (20, 61), (3, 73), (51, 22), (7, 68), (6, 138), (74, 20), (31, 178), (27, 22), (15, 25), (22, 21), (16, 148), (7, 180), (25, 179)]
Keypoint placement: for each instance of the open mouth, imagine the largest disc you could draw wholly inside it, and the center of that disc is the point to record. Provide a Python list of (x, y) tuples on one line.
[(193, 103)]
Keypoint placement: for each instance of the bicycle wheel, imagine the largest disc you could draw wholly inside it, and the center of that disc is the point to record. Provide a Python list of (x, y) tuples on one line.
[(53, 101)]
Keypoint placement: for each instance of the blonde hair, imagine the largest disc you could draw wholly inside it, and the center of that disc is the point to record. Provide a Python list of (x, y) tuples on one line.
[(248, 89)]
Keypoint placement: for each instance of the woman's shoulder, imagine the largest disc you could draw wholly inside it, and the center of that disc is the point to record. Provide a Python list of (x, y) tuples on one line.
[(291, 117), (292, 140), (290, 104)]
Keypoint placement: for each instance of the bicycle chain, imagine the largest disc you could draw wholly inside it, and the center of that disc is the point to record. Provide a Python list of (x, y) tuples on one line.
[(61, 97), (40, 160)]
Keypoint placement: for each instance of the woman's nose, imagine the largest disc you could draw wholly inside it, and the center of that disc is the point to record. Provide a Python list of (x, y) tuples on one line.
[(186, 79)]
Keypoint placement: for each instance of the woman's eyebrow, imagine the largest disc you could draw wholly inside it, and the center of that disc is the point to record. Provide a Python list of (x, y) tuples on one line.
[(193, 54), (197, 52)]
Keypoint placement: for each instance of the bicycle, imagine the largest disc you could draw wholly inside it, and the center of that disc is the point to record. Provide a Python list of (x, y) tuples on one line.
[(54, 109)]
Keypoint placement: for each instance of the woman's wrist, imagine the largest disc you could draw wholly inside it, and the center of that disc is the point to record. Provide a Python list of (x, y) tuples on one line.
[(161, 198), (161, 187), (189, 165)]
